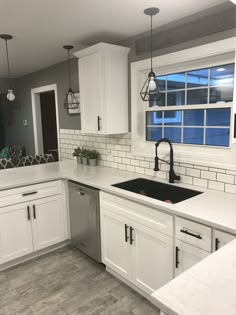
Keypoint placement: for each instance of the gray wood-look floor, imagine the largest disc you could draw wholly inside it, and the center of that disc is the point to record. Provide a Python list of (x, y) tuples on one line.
[(67, 282)]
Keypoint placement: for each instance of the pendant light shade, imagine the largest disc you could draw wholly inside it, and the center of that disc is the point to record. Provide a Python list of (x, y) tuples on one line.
[(151, 88), (10, 93), (71, 101)]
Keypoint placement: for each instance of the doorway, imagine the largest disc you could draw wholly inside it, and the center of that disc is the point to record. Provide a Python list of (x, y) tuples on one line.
[(45, 120)]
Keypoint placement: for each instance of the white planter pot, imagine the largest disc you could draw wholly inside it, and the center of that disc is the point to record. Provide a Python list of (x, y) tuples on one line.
[(79, 160), (92, 162), (84, 161)]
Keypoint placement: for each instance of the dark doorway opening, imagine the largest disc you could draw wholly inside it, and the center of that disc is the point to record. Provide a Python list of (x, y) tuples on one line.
[(49, 123)]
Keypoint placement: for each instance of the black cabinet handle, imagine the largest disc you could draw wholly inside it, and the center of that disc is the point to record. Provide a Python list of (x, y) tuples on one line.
[(131, 235), (99, 126), (191, 234), (126, 233), (217, 243), (34, 211), (29, 193), (28, 212), (177, 257)]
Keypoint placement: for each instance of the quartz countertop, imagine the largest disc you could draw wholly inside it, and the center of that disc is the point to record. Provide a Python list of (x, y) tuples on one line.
[(213, 208), (208, 288)]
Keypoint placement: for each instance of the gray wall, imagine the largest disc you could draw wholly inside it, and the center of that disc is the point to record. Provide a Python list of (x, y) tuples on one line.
[(18, 134), (207, 26)]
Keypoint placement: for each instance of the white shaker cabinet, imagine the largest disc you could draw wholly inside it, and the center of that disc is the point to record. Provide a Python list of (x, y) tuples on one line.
[(221, 239), (103, 83), (15, 232)]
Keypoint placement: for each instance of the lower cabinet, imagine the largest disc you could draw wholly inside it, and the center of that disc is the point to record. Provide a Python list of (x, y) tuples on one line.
[(221, 239), (186, 256), (30, 226), (138, 253), (15, 232)]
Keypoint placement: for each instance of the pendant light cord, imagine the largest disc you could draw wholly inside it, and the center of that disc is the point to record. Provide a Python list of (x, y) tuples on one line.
[(151, 44), (69, 69), (8, 66)]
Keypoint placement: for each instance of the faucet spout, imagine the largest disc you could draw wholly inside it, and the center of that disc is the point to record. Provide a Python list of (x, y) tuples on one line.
[(172, 175)]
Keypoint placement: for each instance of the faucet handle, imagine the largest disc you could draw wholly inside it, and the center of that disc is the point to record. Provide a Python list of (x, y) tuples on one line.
[(156, 167)]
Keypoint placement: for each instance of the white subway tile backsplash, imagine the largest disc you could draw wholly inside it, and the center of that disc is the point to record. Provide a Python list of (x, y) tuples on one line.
[(116, 153)]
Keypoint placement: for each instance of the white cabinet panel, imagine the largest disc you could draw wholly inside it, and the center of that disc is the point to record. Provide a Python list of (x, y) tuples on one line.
[(221, 239), (47, 221), (15, 232), (116, 252), (187, 256), (152, 254)]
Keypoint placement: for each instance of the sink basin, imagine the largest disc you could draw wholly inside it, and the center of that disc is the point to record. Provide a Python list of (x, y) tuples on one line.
[(157, 190)]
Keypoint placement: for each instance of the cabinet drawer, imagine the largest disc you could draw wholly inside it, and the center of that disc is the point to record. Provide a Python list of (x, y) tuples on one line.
[(28, 193), (193, 233), (147, 216), (221, 239)]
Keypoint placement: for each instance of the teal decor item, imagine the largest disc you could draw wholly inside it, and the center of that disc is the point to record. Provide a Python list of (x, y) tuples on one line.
[(4, 154)]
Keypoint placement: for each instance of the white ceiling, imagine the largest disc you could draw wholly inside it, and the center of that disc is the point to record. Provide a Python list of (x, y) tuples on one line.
[(41, 27)]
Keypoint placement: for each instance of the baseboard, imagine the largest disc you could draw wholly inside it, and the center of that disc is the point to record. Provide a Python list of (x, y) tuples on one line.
[(33, 255)]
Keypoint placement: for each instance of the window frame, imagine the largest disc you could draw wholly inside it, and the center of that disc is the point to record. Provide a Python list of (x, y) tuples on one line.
[(204, 56)]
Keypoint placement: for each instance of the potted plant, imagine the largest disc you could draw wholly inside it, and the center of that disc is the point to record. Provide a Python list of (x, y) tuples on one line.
[(77, 154), (93, 156), (84, 155)]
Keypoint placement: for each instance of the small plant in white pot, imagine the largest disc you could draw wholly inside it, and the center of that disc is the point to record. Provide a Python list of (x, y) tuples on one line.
[(77, 154), (84, 155), (93, 157)]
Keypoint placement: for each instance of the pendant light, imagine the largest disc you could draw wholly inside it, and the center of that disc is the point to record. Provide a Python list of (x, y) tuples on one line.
[(10, 94), (71, 102), (151, 88)]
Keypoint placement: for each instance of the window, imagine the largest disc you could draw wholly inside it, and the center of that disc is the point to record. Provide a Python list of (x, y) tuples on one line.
[(195, 107)]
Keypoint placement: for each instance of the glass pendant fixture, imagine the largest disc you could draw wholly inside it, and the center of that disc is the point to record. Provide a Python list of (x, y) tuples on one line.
[(71, 101), (151, 88), (10, 93)]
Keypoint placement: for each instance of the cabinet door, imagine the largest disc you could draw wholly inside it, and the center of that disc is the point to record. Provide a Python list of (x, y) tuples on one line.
[(221, 239), (47, 221), (152, 258), (187, 256), (91, 96), (116, 251), (15, 232)]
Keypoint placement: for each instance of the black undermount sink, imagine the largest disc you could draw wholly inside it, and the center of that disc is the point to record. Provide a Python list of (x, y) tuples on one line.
[(157, 190)]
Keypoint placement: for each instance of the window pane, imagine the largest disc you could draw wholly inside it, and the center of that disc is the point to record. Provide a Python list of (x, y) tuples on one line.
[(162, 82), (218, 117), (153, 133), (193, 135), (221, 94), (173, 134), (161, 102), (176, 81), (173, 117), (194, 117), (222, 75), (176, 98), (197, 78), (154, 118), (217, 136), (198, 96)]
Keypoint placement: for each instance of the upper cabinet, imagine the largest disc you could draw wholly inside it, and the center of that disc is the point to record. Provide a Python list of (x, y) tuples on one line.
[(103, 81)]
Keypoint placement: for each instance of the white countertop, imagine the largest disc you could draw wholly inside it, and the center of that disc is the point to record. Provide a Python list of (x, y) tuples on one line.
[(213, 208), (208, 288)]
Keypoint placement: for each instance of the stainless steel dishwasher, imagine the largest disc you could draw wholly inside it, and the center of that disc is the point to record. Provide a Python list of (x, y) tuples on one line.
[(85, 219)]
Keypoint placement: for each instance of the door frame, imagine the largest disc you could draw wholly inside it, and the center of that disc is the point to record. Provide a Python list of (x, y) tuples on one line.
[(37, 121)]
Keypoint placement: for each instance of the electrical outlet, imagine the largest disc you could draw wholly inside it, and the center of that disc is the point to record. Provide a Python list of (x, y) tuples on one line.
[(25, 123)]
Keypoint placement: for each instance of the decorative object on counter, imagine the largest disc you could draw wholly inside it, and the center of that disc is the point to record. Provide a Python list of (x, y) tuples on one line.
[(77, 154), (93, 157), (84, 156), (72, 99), (10, 95), (151, 88)]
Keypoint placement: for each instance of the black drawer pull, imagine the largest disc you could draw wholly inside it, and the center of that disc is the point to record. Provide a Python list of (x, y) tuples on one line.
[(131, 235), (177, 257), (99, 125), (28, 212), (191, 234), (126, 233), (34, 211), (217, 243), (29, 193)]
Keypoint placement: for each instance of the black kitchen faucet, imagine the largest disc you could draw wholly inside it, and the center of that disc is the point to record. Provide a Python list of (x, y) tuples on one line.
[(172, 175)]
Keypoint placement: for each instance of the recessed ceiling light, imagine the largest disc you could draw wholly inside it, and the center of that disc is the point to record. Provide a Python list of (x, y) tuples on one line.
[(220, 69)]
